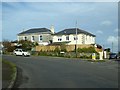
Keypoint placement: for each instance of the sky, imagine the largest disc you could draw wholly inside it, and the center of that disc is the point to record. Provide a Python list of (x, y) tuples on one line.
[(99, 18)]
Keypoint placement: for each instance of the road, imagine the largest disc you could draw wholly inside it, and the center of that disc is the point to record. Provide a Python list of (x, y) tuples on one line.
[(55, 72)]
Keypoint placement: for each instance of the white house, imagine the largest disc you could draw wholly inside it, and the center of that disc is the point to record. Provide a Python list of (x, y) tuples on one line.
[(40, 35), (69, 36)]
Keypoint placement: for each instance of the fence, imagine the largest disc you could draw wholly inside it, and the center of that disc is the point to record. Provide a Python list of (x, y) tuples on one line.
[(67, 47)]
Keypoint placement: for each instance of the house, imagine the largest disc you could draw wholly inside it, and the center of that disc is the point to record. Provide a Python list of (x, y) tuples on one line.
[(72, 36), (40, 35)]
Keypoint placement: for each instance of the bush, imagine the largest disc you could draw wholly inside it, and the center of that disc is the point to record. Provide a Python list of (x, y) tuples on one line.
[(57, 50), (27, 44), (7, 46), (42, 53), (63, 48), (87, 50)]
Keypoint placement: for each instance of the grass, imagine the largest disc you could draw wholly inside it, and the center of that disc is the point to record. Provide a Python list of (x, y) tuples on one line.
[(8, 70)]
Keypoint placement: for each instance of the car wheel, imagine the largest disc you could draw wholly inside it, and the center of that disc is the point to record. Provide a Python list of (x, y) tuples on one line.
[(23, 55), (15, 54)]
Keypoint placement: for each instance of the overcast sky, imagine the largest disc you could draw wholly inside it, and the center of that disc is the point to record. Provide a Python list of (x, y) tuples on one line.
[(99, 18)]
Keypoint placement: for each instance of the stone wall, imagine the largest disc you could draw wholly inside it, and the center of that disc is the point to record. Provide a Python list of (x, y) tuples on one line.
[(68, 47)]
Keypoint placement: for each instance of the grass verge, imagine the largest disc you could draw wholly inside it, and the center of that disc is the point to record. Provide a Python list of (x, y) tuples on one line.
[(8, 73)]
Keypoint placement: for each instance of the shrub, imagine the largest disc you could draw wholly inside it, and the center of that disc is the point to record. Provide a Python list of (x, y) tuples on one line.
[(42, 53), (27, 44), (57, 49), (63, 48), (7, 46), (87, 50)]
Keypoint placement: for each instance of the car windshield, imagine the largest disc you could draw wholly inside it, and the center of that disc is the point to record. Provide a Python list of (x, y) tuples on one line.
[(24, 50), (113, 54)]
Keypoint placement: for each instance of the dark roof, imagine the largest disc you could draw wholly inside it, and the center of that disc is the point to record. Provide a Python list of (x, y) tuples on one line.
[(36, 30), (73, 31)]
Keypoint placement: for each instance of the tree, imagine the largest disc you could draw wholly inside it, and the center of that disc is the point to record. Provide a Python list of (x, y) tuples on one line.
[(7, 46), (28, 45), (108, 50)]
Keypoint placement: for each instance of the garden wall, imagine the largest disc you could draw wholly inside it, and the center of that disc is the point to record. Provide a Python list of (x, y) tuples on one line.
[(67, 47)]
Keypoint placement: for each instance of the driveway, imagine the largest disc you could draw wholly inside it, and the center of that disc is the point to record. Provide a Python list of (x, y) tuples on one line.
[(53, 72)]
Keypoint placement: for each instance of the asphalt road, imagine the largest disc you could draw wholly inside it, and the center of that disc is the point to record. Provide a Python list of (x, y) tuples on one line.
[(53, 72)]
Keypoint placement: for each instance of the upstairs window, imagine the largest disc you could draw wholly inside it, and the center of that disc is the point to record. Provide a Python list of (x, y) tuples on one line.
[(75, 38), (59, 39), (83, 39), (41, 38), (25, 38), (33, 38), (67, 37)]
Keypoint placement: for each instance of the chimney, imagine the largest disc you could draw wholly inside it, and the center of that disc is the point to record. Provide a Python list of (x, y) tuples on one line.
[(52, 29)]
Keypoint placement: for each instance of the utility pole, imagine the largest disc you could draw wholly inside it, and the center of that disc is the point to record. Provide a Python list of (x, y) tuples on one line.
[(103, 51), (76, 40)]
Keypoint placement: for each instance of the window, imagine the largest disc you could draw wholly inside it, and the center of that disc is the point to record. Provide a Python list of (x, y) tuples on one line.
[(33, 38), (25, 38), (75, 38), (67, 37), (83, 39), (59, 39), (86, 37), (41, 38)]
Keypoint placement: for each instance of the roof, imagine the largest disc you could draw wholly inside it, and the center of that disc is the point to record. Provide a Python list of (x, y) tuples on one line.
[(73, 31), (36, 30)]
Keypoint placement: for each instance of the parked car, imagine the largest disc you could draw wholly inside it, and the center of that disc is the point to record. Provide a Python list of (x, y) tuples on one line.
[(21, 52), (113, 56)]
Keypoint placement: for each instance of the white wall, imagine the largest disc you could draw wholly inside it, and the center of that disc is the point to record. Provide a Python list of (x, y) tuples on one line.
[(82, 39)]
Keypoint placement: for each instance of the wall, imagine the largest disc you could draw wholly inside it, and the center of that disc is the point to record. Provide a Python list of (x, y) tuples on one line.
[(82, 39), (68, 47), (46, 37)]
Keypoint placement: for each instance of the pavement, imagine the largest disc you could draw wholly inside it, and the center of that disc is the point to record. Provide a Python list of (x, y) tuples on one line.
[(53, 72)]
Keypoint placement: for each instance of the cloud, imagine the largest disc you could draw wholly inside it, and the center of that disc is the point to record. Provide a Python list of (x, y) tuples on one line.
[(117, 30), (99, 32), (106, 23), (113, 41), (17, 16)]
